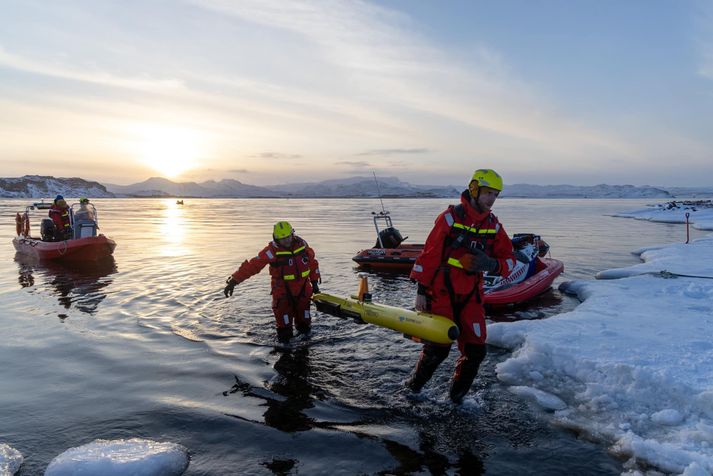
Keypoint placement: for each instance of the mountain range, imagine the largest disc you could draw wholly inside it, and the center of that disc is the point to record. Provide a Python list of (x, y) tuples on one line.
[(37, 186)]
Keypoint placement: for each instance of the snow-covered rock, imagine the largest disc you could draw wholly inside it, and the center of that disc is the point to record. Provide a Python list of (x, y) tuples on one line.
[(39, 186), (697, 212), (10, 460)]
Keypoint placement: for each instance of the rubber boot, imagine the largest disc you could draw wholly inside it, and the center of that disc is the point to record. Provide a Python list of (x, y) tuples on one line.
[(466, 371), (303, 329), (284, 334), (431, 357)]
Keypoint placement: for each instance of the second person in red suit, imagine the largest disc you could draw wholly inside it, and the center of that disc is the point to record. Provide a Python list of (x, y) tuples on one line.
[(294, 272)]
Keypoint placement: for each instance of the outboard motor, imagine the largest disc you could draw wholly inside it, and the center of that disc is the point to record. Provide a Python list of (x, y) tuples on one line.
[(47, 229), (390, 238)]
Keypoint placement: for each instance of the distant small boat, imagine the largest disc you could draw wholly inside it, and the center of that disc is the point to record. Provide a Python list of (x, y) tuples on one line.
[(179, 202), (85, 245)]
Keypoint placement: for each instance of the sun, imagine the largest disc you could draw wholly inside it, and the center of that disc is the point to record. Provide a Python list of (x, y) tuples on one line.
[(169, 150)]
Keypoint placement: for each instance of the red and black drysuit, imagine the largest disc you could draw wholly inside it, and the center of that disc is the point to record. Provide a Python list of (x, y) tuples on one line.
[(60, 218), (292, 272), (453, 292)]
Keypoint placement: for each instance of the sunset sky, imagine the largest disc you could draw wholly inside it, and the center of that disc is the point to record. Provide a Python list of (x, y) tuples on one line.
[(268, 92)]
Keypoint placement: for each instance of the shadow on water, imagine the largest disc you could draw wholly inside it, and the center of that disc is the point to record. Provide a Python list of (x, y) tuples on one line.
[(292, 382), (81, 287)]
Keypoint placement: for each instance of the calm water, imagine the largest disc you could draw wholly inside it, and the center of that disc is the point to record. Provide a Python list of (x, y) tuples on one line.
[(147, 346)]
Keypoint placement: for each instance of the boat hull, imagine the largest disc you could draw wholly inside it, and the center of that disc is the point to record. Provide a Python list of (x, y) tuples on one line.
[(546, 272), (88, 249)]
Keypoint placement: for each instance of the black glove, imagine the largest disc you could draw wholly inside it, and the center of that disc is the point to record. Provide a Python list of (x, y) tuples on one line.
[(315, 287), (230, 286), (477, 261)]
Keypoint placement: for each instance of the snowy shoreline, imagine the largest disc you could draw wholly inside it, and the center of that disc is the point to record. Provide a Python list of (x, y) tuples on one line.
[(632, 365)]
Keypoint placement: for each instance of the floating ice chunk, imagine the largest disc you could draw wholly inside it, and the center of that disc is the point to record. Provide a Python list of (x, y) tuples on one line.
[(667, 417), (10, 459), (665, 456), (695, 469), (544, 399), (136, 456)]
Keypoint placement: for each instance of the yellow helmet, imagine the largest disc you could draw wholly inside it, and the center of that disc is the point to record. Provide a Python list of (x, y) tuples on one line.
[(282, 229), (488, 178)]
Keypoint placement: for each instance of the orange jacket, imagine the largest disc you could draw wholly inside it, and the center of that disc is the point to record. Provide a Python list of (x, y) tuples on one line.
[(456, 230), (291, 269)]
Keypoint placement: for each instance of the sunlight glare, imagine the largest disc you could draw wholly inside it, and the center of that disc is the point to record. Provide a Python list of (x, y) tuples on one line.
[(169, 150), (173, 230)]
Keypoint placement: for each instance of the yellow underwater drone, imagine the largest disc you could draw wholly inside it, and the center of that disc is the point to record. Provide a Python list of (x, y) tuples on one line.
[(418, 326)]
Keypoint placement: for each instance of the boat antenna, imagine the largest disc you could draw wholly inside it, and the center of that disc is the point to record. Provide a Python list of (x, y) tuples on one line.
[(378, 190)]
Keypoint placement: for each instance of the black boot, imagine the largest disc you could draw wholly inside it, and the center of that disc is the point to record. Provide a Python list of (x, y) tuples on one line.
[(431, 358), (303, 329), (466, 370), (284, 334)]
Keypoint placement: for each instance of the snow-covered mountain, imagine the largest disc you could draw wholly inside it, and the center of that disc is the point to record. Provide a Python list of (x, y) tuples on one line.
[(364, 187), (691, 192), (40, 186), (523, 190), (35, 186), (349, 187), (161, 187)]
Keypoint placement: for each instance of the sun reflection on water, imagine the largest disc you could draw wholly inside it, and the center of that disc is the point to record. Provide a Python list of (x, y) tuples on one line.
[(173, 229)]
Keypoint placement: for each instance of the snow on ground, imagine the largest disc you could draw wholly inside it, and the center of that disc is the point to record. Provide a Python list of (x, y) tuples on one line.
[(136, 456), (10, 460), (633, 364), (700, 213)]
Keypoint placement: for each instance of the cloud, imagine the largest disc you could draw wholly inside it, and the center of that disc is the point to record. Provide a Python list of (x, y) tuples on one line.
[(239, 171), (381, 152), (356, 164), (59, 70), (388, 65), (276, 156)]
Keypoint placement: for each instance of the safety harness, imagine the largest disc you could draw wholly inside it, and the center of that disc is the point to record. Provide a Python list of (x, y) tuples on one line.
[(289, 258)]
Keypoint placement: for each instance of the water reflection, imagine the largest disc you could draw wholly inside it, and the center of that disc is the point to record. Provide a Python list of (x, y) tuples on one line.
[(292, 382), (173, 229), (81, 287)]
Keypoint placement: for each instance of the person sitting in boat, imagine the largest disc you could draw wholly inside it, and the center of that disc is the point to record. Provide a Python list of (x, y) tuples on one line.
[(466, 241), (59, 213), (295, 276), (85, 212), (84, 219)]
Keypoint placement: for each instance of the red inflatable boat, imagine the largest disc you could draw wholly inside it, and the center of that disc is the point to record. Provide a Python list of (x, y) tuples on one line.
[(545, 272), (83, 244), (389, 254)]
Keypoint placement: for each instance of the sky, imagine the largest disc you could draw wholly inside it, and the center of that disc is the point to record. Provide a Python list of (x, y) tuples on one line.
[(268, 92)]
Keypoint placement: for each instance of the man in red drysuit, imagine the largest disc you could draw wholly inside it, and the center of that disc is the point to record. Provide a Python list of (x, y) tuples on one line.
[(466, 241), (295, 274)]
